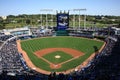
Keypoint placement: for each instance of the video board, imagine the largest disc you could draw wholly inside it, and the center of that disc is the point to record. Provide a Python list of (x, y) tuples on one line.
[(62, 21)]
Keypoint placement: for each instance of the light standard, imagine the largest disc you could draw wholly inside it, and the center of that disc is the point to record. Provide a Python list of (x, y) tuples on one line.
[(79, 15), (51, 20), (41, 19), (84, 21), (46, 10), (74, 20)]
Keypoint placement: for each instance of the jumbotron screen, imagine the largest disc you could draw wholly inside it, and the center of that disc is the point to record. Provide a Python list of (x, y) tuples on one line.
[(62, 21)]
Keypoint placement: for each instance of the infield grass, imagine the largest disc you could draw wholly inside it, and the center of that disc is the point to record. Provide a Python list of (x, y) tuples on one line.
[(63, 57)]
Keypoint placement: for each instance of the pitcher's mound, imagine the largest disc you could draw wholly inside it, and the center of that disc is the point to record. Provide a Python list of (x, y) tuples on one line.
[(57, 56)]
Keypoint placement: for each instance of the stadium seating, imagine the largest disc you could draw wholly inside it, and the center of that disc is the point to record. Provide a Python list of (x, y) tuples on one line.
[(105, 65)]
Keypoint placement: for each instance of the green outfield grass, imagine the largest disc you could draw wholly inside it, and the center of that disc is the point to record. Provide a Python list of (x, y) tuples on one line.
[(84, 45), (63, 57)]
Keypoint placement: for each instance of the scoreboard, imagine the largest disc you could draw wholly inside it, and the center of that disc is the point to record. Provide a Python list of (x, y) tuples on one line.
[(62, 21)]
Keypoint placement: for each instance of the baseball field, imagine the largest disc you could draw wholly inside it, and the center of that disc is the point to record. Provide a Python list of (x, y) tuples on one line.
[(59, 53)]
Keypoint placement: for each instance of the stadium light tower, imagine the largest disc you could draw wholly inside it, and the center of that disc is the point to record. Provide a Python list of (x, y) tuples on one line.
[(52, 19), (79, 14), (41, 18), (84, 21), (73, 20), (46, 10), (73, 17)]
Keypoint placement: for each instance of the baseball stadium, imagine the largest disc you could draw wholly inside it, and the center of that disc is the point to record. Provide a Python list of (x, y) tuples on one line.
[(60, 45), (61, 53)]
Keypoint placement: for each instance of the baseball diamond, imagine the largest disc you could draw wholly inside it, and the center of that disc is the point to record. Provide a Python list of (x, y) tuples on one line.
[(66, 58), (58, 53)]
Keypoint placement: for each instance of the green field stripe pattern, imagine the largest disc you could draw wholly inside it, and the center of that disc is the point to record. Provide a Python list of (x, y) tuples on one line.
[(82, 44), (63, 57)]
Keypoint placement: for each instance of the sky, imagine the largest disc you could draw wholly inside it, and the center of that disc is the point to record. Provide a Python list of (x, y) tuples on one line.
[(94, 7)]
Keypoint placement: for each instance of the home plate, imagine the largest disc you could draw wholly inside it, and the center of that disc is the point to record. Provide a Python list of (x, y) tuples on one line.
[(55, 66)]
